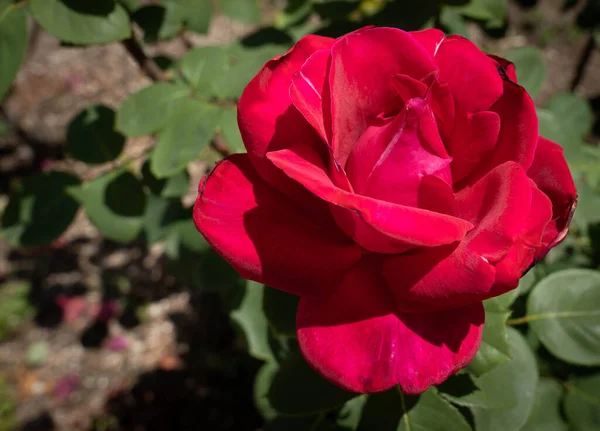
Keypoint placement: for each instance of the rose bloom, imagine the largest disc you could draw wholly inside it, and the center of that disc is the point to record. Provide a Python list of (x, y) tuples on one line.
[(393, 181)]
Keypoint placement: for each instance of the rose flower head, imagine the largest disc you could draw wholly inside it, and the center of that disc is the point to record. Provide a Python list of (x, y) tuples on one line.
[(393, 181)]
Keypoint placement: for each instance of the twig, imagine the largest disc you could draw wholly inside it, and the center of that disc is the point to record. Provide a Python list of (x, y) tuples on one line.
[(583, 62), (155, 73), (146, 64)]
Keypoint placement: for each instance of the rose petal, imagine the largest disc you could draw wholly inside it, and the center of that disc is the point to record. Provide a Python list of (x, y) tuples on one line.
[(508, 67), (475, 136), (267, 118), (310, 92), (406, 148), (357, 339), (551, 173), (430, 38), (360, 87), (463, 274), (407, 226), (518, 135), (267, 237), (470, 74)]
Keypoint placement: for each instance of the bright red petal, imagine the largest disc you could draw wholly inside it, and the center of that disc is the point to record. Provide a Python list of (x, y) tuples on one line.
[(430, 38), (358, 340), (406, 226), (471, 75), (266, 236), (267, 118), (360, 87)]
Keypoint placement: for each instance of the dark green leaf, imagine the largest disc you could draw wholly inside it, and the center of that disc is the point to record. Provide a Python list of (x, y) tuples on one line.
[(573, 112), (545, 414), (13, 43), (311, 392), (491, 11), (351, 412), (115, 203), (582, 403), (246, 11), (202, 66), (253, 322), (190, 128), (433, 413), (91, 136), (42, 211), (228, 126), (494, 348), (172, 187), (80, 22), (531, 67), (195, 14), (147, 111), (564, 311), (162, 217), (453, 21), (158, 22), (382, 411), (510, 387), (280, 310)]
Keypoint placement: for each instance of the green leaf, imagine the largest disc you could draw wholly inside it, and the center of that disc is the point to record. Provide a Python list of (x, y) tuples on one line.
[(545, 414), (91, 136), (311, 393), (195, 14), (530, 65), (250, 318), (202, 66), (382, 411), (162, 217), (13, 43), (80, 22), (564, 311), (228, 126), (494, 348), (115, 203), (280, 310), (189, 129), (262, 383), (351, 412), (172, 187), (510, 386), (15, 308), (453, 21), (41, 211), (573, 112), (37, 354), (433, 413), (147, 111), (582, 403), (491, 11), (246, 11), (158, 22)]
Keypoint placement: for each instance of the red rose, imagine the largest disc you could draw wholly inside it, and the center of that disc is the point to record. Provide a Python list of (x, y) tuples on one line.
[(394, 181)]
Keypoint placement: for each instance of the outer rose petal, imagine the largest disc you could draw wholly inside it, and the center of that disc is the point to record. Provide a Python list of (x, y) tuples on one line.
[(430, 38), (267, 118), (267, 237), (551, 173), (360, 89), (357, 339), (507, 67), (407, 226), (471, 75)]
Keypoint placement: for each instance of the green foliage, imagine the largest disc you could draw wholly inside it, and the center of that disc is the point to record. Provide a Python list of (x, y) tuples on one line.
[(13, 43), (7, 408), (531, 67), (91, 137), (86, 23), (14, 307), (41, 210), (567, 320), (115, 203), (545, 414), (582, 403)]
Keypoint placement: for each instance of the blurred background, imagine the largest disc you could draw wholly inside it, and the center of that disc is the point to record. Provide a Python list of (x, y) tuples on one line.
[(114, 313)]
